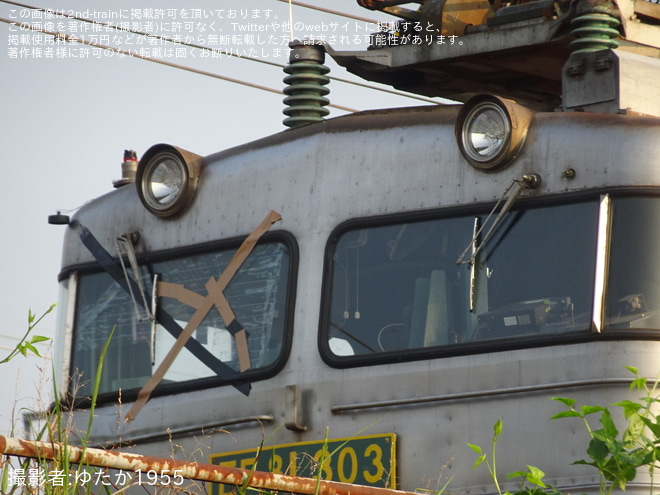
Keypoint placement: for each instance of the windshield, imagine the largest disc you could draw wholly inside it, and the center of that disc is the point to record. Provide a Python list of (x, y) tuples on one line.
[(398, 287), (256, 295), (633, 286)]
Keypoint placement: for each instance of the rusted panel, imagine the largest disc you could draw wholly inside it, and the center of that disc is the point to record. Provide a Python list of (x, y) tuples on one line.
[(190, 470)]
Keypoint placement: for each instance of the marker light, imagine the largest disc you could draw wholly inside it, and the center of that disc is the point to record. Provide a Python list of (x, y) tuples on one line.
[(167, 179), (491, 131)]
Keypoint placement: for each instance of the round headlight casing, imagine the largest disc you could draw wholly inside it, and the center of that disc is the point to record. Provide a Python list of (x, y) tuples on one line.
[(491, 131), (167, 179)]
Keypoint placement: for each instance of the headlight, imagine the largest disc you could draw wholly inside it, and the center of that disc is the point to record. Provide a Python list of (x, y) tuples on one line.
[(167, 179), (491, 131)]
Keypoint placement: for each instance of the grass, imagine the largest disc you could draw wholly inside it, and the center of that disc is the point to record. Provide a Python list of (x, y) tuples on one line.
[(617, 452)]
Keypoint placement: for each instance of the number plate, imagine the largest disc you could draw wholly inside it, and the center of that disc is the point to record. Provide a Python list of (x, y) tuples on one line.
[(368, 460)]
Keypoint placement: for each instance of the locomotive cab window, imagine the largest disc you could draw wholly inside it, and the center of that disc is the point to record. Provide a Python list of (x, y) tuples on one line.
[(260, 296), (396, 290), (633, 287)]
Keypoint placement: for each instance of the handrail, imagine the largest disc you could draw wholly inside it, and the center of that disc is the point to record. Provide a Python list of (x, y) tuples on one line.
[(413, 401), (186, 469), (181, 431)]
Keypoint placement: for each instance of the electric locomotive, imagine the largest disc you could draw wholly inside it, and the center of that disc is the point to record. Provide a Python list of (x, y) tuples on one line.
[(385, 285)]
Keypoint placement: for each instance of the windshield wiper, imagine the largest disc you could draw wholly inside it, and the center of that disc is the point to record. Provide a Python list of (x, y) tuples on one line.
[(127, 242), (528, 181)]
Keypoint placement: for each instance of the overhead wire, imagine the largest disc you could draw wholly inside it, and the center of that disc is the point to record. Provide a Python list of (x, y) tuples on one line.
[(139, 33), (64, 37), (11, 349), (222, 52), (290, 20), (18, 339), (329, 11), (348, 81)]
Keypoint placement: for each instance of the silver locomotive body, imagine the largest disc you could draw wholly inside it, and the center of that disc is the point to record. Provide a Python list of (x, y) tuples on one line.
[(394, 316)]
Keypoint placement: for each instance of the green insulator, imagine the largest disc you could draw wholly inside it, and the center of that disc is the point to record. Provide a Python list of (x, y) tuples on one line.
[(594, 31), (306, 85)]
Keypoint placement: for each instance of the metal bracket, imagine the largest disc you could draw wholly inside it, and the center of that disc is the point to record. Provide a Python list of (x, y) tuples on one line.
[(293, 408)]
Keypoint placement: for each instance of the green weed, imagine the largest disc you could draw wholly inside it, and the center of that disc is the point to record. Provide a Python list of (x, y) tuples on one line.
[(617, 455), (531, 480)]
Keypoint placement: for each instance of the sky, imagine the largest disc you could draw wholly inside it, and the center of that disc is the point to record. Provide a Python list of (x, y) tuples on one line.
[(69, 111)]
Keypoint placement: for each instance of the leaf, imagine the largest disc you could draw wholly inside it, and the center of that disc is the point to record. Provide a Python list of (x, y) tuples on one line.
[(533, 475), (638, 384), (654, 427), (563, 400), (479, 461), (629, 407), (476, 448), (586, 410), (25, 346), (497, 427), (32, 348), (536, 476), (567, 414), (633, 370), (4, 480), (635, 431), (597, 450), (627, 474), (608, 424)]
